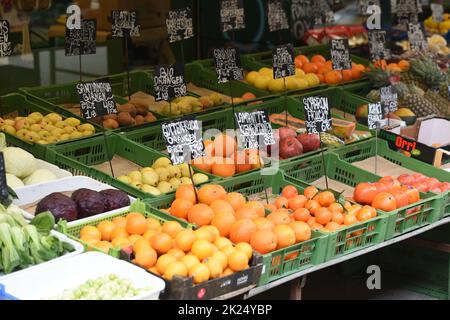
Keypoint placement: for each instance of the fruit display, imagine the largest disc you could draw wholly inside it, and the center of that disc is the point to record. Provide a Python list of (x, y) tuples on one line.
[(46, 129), (223, 158), (188, 104), (245, 97), (24, 244), (162, 177), (168, 249), (290, 144), (423, 183), (437, 27), (128, 114), (82, 203)]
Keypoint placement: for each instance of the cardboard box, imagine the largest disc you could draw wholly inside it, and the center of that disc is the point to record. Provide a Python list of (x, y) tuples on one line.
[(427, 140)]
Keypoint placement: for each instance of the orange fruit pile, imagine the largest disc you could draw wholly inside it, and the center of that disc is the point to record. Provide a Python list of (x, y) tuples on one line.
[(170, 250), (224, 160), (400, 66)]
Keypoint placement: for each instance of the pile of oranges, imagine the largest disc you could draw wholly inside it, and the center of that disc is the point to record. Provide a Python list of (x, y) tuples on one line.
[(169, 249), (224, 160), (400, 66), (323, 69)]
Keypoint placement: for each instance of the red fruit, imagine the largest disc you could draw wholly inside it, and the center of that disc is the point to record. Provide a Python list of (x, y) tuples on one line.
[(413, 194), (406, 179), (384, 201), (421, 186), (285, 132), (389, 182), (365, 192), (418, 177), (310, 142), (432, 183), (290, 147), (401, 197), (381, 187), (444, 186)]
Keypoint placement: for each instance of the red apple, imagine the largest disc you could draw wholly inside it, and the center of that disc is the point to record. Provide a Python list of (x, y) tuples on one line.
[(310, 142), (290, 147), (285, 132), (406, 179), (418, 177)]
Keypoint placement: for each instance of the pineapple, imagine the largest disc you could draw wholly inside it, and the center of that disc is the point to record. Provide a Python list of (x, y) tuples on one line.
[(440, 103), (416, 102), (379, 77), (443, 90), (410, 78), (428, 72)]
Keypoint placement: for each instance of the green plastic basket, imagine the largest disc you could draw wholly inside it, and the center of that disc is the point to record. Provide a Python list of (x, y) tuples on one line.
[(78, 157), (72, 229), (282, 262), (362, 151), (360, 88), (405, 219), (18, 103)]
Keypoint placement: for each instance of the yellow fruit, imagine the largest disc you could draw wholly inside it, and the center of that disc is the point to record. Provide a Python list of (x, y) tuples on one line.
[(261, 82), (299, 72), (200, 272), (312, 79), (222, 257), (215, 267), (302, 83), (163, 262), (266, 71), (245, 248), (176, 268), (251, 77), (276, 85), (291, 83), (189, 260)]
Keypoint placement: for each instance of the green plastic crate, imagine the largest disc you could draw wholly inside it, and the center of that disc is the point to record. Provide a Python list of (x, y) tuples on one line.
[(420, 269), (72, 230), (78, 157), (15, 102), (362, 151), (282, 262), (361, 88)]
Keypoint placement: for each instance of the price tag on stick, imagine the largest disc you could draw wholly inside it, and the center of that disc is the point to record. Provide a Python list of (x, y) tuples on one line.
[(283, 61), (389, 99), (124, 24), (255, 127), (416, 37), (169, 82), (318, 120), (5, 44), (232, 15), (374, 117), (277, 19), (378, 45), (340, 54), (3, 185), (180, 24), (81, 41), (228, 65)]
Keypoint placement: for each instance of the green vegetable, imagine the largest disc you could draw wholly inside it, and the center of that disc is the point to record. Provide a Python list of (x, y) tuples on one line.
[(44, 222), (37, 251), (20, 242), (16, 213), (10, 257)]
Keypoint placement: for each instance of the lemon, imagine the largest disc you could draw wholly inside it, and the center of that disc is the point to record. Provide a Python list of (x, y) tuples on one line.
[(276, 85), (291, 83), (302, 83), (312, 79), (262, 82), (299, 72), (266, 71), (251, 77)]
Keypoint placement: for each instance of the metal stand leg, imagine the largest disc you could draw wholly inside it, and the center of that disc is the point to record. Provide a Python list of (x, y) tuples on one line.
[(296, 288)]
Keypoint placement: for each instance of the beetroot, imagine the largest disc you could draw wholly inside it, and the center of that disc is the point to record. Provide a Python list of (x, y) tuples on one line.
[(88, 202), (310, 142), (60, 205), (115, 199), (290, 147)]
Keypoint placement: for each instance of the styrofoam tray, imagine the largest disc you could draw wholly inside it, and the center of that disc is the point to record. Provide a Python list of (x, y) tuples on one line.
[(31, 194), (49, 281), (79, 248)]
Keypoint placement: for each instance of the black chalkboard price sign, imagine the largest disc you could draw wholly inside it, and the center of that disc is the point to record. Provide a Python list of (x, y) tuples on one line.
[(228, 65), (82, 41), (183, 139), (169, 82), (375, 115), (124, 24), (255, 129), (407, 11), (96, 99), (277, 18), (389, 99), (283, 61), (232, 15), (3, 185), (416, 37), (318, 116), (179, 24), (378, 45), (5, 44), (340, 54), (364, 4)]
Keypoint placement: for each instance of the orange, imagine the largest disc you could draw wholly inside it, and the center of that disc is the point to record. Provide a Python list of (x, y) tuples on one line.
[(120, 222), (136, 224), (163, 262), (207, 194), (279, 217), (310, 192), (184, 240), (242, 230), (360, 67), (318, 58), (289, 191), (257, 207), (227, 272), (91, 232), (238, 261), (323, 216), (324, 69), (135, 237), (235, 199), (223, 167), (215, 267), (222, 257), (282, 202), (347, 75), (285, 236), (224, 145), (180, 208), (199, 272), (228, 250), (141, 244), (270, 207), (297, 202), (310, 67), (222, 242), (312, 206), (245, 248), (337, 217), (356, 74), (203, 234), (301, 230), (302, 214), (149, 234), (162, 243), (336, 207), (106, 229), (242, 162), (172, 228), (175, 268), (203, 163), (119, 232), (145, 258), (223, 222), (200, 214), (332, 226), (103, 246), (186, 192), (209, 147), (311, 221), (326, 198), (403, 65), (316, 226), (153, 224), (349, 219), (177, 253), (264, 224), (213, 231), (221, 206), (302, 59), (153, 270), (333, 77), (120, 243), (189, 260), (202, 249), (384, 201), (248, 96), (246, 213), (264, 241), (365, 213)]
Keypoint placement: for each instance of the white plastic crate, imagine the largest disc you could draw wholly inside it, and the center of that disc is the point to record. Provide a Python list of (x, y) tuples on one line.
[(50, 280)]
